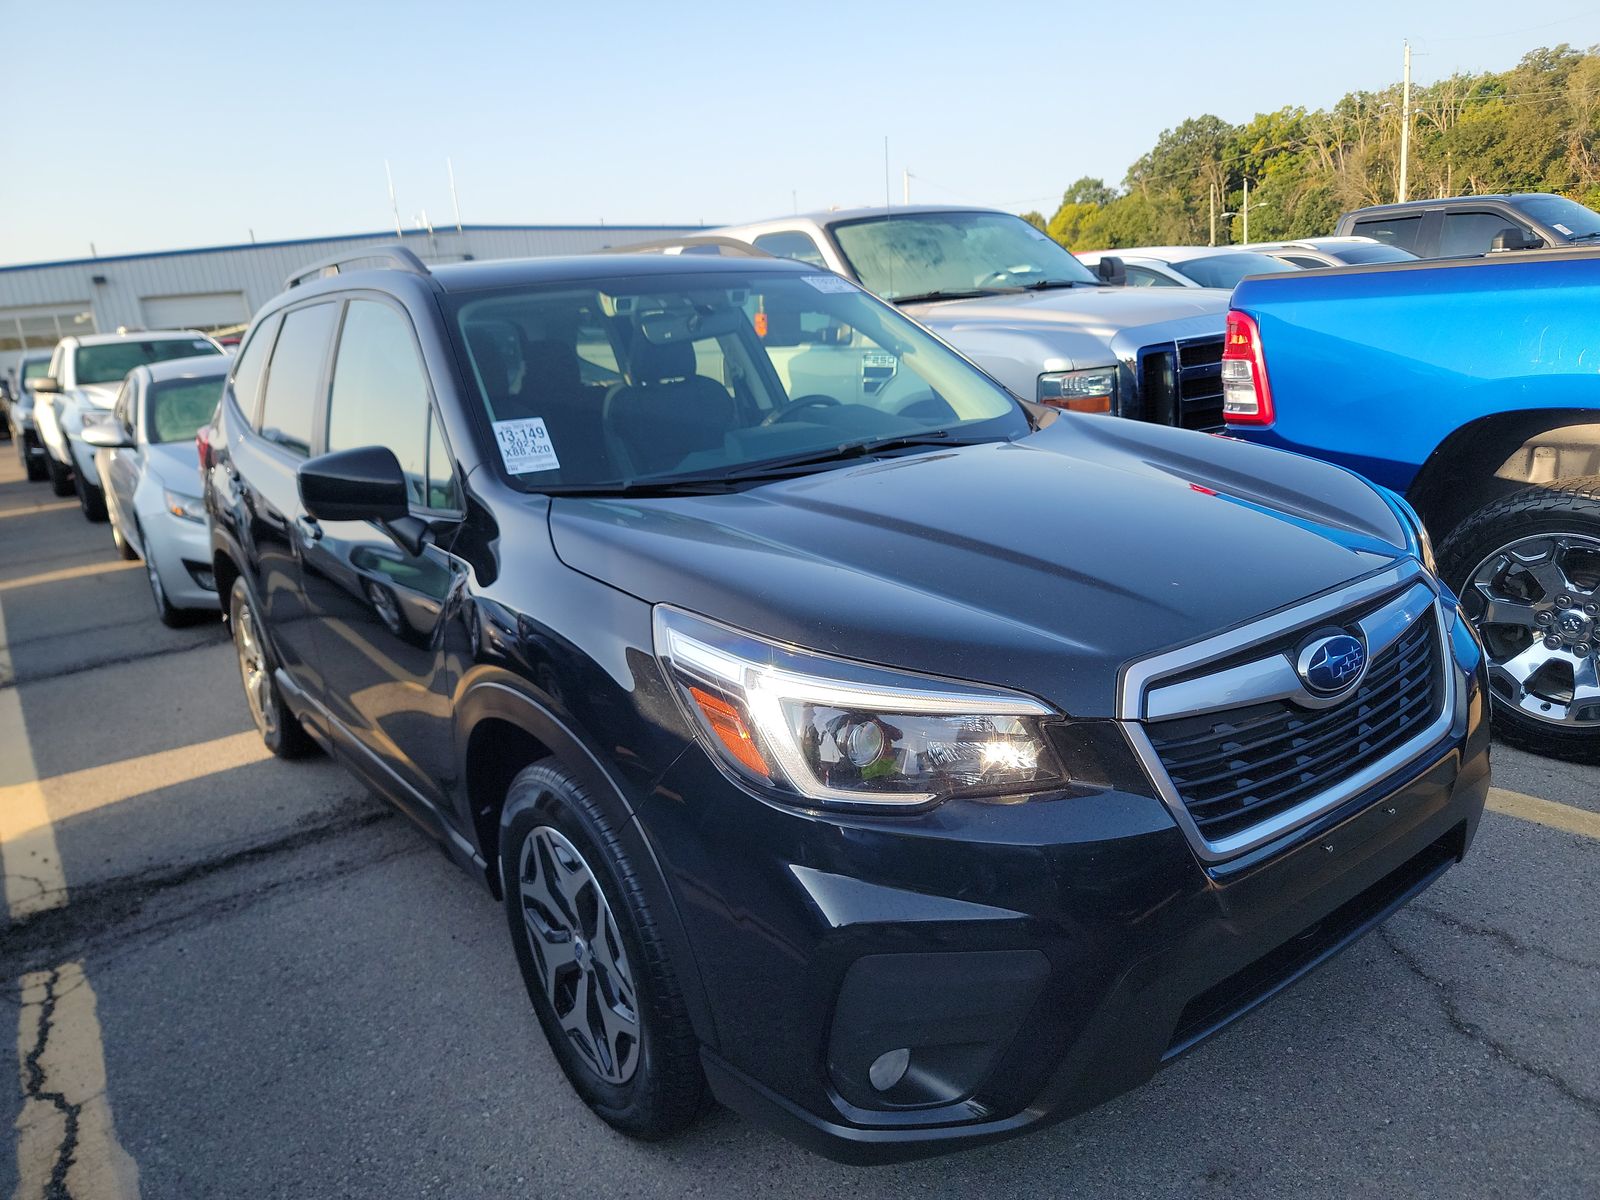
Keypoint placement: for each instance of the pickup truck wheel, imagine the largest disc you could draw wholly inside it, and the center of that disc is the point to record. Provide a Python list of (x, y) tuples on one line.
[(1527, 569), (90, 498), (280, 729), (60, 477), (595, 967)]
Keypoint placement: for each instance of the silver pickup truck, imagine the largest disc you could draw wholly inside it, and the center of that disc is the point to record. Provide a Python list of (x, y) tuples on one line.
[(1022, 307)]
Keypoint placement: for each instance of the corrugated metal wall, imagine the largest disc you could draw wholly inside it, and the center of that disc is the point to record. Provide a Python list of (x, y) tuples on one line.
[(258, 271)]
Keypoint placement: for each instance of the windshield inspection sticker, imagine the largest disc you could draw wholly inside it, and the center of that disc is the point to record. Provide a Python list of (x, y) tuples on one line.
[(829, 283), (525, 446)]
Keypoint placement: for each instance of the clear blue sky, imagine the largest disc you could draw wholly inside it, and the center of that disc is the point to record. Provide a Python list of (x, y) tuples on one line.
[(146, 124)]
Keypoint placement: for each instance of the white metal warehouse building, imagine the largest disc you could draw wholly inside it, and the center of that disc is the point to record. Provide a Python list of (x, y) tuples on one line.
[(219, 287)]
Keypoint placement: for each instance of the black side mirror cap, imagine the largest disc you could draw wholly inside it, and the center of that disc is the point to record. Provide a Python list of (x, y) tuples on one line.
[(364, 484), (1111, 270)]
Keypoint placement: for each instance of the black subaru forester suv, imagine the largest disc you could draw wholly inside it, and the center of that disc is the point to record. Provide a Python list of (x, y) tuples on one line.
[(904, 765)]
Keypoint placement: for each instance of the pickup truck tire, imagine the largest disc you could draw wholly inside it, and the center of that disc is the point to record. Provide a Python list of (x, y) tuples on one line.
[(1527, 569), (60, 476), (595, 966), (90, 498)]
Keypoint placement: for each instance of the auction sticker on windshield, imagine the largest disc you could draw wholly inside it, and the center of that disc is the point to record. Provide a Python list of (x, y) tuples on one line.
[(829, 283), (525, 446)]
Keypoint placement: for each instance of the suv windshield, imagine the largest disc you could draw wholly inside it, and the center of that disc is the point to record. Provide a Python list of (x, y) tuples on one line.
[(176, 408), (697, 377), (1225, 270), (110, 361), (923, 254), (1562, 215)]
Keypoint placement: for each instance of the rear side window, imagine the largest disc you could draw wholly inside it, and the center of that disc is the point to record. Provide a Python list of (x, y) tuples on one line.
[(1145, 277), (380, 391), (1394, 231), (792, 244), (295, 377), (1473, 232), (248, 366)]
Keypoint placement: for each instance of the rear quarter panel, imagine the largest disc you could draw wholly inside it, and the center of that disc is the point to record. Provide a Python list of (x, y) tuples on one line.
[(1373, 368)]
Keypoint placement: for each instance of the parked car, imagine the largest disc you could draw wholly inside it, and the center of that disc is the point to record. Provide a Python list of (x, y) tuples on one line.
[(1470, 225), (81, 386), (1021, 307), (810, 770), (1218, 267), (1468, 386), (1312, 253), (150, 466), (24, 432)]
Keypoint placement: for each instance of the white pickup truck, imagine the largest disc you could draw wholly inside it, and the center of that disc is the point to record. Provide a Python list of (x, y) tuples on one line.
[(81, 388), (1021, 307)]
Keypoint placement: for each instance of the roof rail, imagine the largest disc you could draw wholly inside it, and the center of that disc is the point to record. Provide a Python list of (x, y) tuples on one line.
[(397, 257), (709, 243)]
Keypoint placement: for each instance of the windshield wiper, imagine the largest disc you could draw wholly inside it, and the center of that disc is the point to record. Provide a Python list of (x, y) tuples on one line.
[(1045, 285), (954, 294)]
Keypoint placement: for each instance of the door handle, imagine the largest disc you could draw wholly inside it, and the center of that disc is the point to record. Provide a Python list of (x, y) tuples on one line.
[(309, 529)]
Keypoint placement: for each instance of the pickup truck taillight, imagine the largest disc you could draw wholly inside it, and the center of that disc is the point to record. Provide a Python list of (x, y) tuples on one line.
[(1246, 394)]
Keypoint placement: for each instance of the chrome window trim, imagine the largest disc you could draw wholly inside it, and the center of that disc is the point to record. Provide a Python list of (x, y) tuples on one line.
[(1138, 676)]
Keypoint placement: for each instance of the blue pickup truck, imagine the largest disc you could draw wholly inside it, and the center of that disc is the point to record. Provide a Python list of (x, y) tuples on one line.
[(1472, 389)]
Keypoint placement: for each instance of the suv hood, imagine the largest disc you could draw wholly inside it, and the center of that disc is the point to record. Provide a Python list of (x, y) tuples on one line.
[(1043, 565)]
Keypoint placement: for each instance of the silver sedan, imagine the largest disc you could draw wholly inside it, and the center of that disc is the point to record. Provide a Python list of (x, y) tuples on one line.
[(147, 460)]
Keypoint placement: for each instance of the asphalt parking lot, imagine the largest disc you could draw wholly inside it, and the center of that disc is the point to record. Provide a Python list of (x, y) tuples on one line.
[(234, 977)]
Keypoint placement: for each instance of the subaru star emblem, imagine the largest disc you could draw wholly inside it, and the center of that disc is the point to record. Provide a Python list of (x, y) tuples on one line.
[(1332, 664)]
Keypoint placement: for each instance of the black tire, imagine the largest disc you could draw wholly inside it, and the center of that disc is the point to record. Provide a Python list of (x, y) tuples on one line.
[(60, 477), (665, 1090), (32, 464), (90, 498), (280, 729), (1529, 519)]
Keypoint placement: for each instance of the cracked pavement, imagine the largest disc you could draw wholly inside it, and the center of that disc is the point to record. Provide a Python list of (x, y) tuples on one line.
[(294, 996)]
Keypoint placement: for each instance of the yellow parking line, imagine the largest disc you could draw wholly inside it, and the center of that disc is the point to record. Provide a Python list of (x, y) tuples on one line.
[(1565, 817), (62, 1065), (65, 573), (36, 508)]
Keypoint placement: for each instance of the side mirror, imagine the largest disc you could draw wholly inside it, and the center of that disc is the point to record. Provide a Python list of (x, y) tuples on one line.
[(365, 484), (1512, 238), (1111, 270), (45, 383), (109, 436)]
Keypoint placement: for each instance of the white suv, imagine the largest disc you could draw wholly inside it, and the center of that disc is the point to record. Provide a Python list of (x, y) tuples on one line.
[(81, 388)]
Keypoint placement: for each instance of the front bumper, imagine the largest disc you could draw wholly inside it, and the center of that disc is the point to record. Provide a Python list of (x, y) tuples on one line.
[(180, 551), (1036, 959)]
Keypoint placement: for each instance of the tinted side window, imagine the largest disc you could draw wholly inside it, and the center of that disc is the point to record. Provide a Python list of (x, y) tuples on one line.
[(792, 244), (380, 391), (248, 366), (1473, 232), (288, 410), (1395, 231), (1145, 277)]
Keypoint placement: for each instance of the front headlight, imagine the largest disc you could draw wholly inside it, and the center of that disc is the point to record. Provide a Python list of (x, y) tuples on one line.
[(1421, 543), (823, 730), (1093, 389), (190, 508)]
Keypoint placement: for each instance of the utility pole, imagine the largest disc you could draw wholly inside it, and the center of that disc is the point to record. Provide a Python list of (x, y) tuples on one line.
[(450, 166), (1245, 208), (389, 175), (1213, 241), (905, 185), (1405, 124)]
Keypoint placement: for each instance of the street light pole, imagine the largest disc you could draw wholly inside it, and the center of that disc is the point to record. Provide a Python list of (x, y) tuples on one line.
[(1405, 125), (1245, 208)]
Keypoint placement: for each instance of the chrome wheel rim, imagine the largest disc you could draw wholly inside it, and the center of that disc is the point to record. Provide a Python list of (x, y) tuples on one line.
[(253, 669), (577, 949), (1535, 602)]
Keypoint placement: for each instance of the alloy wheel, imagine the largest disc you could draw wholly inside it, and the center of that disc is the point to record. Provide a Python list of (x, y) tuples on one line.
[(578, 947), (252, 666), (1536, 604)]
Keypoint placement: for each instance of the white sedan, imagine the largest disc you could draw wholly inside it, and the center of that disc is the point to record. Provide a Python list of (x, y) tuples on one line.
[(146, 456)]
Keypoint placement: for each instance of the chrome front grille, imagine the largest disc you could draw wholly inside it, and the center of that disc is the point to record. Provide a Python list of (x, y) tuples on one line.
[(1243, 753), (1180, 383)]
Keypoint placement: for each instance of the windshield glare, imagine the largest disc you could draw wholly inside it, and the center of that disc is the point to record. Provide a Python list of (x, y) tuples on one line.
[(692, 376), (110, 361), (1225, 270), (176, 408), (1562, 215), (921, 252)]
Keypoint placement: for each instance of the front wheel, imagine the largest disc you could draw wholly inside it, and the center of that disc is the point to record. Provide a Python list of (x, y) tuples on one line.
[(60, 476), (1527, 569), (280, 729), (90, 498), (594, 964)]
